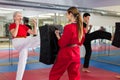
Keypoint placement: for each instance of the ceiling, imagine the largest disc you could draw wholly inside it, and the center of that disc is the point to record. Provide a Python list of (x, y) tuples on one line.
[(93, 5), (97, 4)]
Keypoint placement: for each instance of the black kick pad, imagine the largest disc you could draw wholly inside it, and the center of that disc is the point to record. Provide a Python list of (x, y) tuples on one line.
[(116, 40), (49, 44)]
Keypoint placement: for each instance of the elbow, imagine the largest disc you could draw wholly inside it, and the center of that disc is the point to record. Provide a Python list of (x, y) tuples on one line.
[(34, 33), (14, 36)]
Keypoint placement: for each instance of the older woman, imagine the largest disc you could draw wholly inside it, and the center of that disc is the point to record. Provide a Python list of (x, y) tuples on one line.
[(21, 42)]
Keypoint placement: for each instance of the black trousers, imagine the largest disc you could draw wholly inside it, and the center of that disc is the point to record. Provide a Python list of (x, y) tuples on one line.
[(87, 43)]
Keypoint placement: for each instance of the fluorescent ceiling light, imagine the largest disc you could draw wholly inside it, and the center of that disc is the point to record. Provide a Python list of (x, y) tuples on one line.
[(4, 12), (118, 13), (31, 16), (44, 16), (60, 14), (103, 12), (51, 14), (10, 9)]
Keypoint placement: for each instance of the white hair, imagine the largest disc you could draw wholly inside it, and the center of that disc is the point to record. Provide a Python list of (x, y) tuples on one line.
[(15, 13)]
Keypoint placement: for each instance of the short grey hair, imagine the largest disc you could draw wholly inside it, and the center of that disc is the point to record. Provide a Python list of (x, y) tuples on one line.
[(15, 13)]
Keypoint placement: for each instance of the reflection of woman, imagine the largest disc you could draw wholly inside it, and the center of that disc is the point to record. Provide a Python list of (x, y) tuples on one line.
[(21, 42), (69, 54)]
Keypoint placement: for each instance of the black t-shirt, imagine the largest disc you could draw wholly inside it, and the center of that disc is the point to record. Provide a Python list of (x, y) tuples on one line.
[(29, 28), (84, 25)]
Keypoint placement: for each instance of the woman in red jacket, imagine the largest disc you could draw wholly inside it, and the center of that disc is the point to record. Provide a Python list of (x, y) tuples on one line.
[(21, 42), (69, 54)]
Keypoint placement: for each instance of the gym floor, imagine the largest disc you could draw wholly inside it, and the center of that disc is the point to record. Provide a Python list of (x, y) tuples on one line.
[(36, 70)]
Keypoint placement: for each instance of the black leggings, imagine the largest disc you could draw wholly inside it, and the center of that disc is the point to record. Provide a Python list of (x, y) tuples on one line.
[(87, 43)]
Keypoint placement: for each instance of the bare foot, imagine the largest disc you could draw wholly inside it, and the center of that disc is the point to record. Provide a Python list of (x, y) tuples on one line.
[(118, 76), (85, 70)]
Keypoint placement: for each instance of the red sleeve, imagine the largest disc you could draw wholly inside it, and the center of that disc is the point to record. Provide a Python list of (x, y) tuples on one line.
[(26, 28), (12, 26), (66, 37)]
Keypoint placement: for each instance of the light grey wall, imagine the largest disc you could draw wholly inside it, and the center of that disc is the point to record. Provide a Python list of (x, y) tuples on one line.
[(101, 20)]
